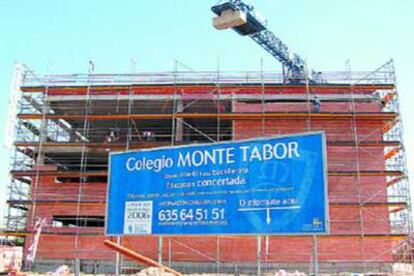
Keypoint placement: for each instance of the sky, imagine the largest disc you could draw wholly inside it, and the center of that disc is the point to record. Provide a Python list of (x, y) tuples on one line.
[(62, 36)]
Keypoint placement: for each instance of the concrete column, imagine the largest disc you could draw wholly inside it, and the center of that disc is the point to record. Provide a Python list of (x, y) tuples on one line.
[(43, 133)]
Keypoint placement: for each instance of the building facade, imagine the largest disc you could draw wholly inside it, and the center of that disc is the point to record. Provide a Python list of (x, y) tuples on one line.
[(66, 125)]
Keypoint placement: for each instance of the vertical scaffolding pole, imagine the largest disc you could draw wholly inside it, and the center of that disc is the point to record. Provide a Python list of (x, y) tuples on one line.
[(358, 178), (262, 90), (263, 130), (309, 128), (118, 258), (160, 240), (173, 138), (169, 252), (408, 219), (218, 255), (258, 251), (218, 101), (83, 162), (315, 255), (39, 158), (15, 96), (174, 106), (308, 96), (118, 261), (77, 267)]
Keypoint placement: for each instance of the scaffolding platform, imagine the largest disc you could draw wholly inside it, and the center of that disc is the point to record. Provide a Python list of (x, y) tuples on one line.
[(65, 126)]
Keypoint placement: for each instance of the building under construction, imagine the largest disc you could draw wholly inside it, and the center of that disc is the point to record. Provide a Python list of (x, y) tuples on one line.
[(66, 125)]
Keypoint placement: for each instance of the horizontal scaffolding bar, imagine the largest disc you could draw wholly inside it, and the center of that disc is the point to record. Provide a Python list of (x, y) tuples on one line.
[(213, 96), (105, 173), (168, 88), (103, 202), (347, 236), (224, 116), (149, 144)]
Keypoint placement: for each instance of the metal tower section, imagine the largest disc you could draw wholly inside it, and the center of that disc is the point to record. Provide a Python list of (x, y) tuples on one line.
[(245, 21)]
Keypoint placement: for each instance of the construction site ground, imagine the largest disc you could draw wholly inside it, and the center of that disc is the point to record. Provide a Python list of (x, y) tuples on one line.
[(153, 271)]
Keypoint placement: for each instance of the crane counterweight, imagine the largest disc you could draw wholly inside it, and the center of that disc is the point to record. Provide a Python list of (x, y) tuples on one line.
[(242, 18)]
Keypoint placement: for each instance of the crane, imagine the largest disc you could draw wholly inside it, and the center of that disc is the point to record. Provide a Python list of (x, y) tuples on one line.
[(245, 21)]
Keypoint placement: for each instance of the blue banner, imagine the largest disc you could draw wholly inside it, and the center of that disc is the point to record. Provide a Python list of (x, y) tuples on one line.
[(266, 186)]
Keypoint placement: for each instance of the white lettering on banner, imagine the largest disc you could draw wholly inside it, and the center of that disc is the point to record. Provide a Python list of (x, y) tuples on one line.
[(216, 156), (132, 164), (269, 151), (204, 157)]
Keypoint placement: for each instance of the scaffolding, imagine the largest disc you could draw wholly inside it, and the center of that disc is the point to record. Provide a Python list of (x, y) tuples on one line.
[(66, 125)]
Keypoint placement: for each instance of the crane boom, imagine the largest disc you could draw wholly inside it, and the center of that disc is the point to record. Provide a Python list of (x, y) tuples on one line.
[(243, 19)]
